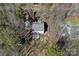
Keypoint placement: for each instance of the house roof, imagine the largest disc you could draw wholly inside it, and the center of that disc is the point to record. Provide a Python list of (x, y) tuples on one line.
[(38, 26)]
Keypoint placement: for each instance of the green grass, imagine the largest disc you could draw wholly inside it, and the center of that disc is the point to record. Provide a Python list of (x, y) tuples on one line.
[(73, 20), (53, 51), (8, 37), (19, 11)]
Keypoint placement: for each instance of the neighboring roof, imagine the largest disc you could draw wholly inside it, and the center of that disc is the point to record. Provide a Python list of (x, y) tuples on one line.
[(38, 26), (73, 28), (75, 31)]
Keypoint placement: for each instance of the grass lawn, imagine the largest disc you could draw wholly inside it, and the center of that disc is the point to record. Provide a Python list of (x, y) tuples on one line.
[(74, 20), (54, 51)]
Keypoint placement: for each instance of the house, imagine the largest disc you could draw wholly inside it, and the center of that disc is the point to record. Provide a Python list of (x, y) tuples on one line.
[(37, 29)]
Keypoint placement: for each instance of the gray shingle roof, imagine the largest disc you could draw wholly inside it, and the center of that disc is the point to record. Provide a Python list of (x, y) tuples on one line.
[(36, 26)]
